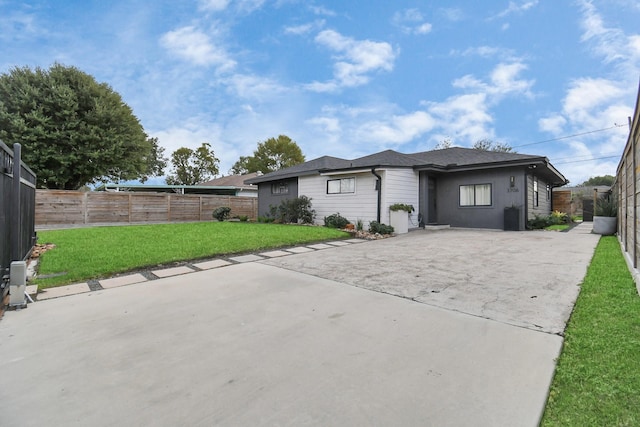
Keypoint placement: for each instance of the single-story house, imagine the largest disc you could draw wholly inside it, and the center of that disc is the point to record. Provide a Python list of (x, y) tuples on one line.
[(461, 187)]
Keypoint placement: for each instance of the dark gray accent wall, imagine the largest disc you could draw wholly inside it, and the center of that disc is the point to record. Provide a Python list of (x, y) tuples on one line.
[(503, 195), (266, 198)]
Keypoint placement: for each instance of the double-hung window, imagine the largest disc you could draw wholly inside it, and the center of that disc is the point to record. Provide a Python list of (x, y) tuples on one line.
[(475, 195), (341, 186)]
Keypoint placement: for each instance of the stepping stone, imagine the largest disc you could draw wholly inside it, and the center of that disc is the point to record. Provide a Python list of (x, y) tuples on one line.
[(246, 258), (274, 254), (130, 279), (63, 291), (207, 265), (300, 250), (320, 246), (168, 272), (338, 243), (355, 240)]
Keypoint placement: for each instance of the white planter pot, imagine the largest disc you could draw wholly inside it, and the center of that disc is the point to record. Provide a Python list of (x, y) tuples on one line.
[(399, 221), (605, 225)]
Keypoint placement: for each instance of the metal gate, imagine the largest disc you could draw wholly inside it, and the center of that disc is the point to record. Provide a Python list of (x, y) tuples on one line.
[(17, 212)]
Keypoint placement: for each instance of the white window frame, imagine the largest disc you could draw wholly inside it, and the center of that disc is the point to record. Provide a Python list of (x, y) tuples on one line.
[(471, 199), (280, 188), (346, 185)]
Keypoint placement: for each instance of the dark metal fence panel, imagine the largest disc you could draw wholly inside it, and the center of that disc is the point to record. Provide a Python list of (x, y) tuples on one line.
[(17, 212)]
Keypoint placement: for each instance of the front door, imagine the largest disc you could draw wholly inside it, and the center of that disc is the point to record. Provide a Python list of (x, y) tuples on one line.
[(432, 214)]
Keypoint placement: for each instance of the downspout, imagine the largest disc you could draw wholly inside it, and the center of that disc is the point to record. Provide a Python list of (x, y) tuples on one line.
[(379, 189), (526, 197)]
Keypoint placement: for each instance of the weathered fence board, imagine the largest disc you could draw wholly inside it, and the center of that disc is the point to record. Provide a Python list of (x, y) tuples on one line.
[(62, 207)]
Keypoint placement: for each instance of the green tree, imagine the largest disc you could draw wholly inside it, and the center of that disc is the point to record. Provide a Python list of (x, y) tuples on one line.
[(191, 167), (271, 155), (599, 180), (74, 131), (489, 145)]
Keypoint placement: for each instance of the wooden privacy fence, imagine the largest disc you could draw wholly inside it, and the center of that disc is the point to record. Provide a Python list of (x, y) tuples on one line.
[(627, 191), (62, 207)]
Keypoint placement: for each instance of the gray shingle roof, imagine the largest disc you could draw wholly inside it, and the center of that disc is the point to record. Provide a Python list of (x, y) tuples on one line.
[(445, 158)]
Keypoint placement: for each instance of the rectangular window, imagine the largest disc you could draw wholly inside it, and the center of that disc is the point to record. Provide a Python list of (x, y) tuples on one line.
[(475, 195), (535, 191), (341, 186), (280, 188)]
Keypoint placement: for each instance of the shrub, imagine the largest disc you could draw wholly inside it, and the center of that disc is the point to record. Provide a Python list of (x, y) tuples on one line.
[(221, 213), (401, 207), (243, 218), (606, 206), (335, 221), (376, 227), (559, 218), (539, 222), (265, 219), (359, 225), (293, 211)]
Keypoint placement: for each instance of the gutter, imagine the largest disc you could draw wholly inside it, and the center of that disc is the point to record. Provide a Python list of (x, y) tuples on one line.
[(379, 189)]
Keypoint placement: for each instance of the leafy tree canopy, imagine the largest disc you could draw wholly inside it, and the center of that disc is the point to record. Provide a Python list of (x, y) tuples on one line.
[(489, 145), (191, 167), (74, 130), (271, 155), (599, 180)]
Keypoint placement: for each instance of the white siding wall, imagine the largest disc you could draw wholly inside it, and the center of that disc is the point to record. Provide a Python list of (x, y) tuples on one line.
[(359, 205), (400, 186)]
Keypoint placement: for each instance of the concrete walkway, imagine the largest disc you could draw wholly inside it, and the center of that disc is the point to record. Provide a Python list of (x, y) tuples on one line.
[(258, 344)]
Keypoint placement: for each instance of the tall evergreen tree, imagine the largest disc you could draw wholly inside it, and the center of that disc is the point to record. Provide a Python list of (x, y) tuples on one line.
[(74, 131)]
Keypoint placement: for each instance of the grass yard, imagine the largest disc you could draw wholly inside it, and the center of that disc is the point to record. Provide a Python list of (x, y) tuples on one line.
[(597, 380), (557, 227), (89, 253)]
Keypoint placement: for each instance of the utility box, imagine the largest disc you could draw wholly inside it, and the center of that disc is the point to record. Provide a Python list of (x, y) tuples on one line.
[(511, 219), (18, 284)]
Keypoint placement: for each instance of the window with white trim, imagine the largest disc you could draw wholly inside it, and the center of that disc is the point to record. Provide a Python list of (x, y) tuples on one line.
[(475, 195), (535, 191), (341, 186), (280, 188)]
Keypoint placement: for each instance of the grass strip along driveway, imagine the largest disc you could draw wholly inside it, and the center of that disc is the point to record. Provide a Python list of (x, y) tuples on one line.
[(87, 253), (597, 380)]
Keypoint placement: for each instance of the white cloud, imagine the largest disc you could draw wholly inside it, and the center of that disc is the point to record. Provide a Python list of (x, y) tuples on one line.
[(464, 117), (411, 21), (304, 28), (553, 124), (215, 5), (354, 60), (197, 47), (517, 8), (503, 81), (321, 10), (254, 87), (398, 129)]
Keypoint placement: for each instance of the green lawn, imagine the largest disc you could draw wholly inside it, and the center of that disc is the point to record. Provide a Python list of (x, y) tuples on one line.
[(557, 227), (88, 253), (597, 381)]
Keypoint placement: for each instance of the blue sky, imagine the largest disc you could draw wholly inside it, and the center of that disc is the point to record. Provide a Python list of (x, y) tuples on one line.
[(350, 78)]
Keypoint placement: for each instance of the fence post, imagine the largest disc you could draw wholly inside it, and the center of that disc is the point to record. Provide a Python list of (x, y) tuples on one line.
[(15, 222)]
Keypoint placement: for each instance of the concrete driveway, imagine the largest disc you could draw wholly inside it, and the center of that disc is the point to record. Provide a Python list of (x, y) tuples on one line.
[(529, 279), (258, 344)]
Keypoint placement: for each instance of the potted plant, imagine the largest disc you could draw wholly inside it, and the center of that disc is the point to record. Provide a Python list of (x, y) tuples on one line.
[(605, 220), (399, 217)]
